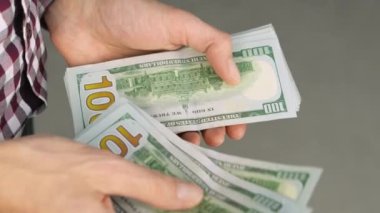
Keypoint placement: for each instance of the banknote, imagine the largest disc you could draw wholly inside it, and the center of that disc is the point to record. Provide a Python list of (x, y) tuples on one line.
[(224, 192), (216, 173), (116, 205), (296, 182), (112, 134), (182, 91)]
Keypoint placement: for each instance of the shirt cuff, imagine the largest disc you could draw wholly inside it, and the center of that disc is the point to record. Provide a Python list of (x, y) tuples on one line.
[(42, 6)]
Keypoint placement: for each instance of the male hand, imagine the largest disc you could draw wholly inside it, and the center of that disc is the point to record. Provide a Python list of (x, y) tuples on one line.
[(52, 174), (91, 31)]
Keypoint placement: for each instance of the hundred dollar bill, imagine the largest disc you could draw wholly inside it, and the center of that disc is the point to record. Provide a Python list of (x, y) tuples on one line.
[(296, 182), (217, 174), (121, 134), (256, 172), (153, 150), (181, 89), (116, 206)]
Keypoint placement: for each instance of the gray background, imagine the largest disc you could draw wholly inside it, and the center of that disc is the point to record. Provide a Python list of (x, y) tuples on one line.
[(332, 50)]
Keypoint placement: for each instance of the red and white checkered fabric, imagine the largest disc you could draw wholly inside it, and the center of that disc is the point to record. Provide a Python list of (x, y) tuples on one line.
[(23, 89)]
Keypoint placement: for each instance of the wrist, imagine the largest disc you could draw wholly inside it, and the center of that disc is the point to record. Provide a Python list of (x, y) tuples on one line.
[(44, 5), (68, 25), (54, 15)]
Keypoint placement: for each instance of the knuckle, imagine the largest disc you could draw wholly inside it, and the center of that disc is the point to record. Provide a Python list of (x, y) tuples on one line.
[(225, 37), (178, 21), (179, 14), (161, 183), (224, 40)]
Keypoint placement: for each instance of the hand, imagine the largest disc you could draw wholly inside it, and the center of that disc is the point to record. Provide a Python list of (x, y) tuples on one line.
[(52, 174), (90, 31)]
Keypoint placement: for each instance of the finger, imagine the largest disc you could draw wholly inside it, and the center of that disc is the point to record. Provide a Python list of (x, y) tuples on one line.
[(107, 203), (190, 31), (85, 203), (192, 137), (123, 178), (236, 132), (214, 137)]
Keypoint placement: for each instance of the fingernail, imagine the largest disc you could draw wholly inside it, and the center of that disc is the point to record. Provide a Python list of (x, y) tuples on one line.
[(189, 192), (240, 135), (234, 74), (219, 141), (237, 133)]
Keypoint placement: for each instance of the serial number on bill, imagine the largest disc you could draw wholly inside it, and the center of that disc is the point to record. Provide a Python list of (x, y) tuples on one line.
[(178, 113)]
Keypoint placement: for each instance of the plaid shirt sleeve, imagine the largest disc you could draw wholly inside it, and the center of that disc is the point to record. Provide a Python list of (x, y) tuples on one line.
[(42, 5), (23, 87)]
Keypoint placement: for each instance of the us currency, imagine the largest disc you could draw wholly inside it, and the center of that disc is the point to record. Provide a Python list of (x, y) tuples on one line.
[(294, 182), (229, 194), (148, 151), (217, 174), (182, 91)]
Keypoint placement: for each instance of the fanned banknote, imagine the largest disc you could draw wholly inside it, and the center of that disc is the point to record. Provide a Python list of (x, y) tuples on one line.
[(181, 90), (124, 131), (111, 134), (294, 182)]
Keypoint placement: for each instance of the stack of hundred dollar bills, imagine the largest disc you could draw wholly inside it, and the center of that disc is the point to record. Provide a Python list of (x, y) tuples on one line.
[(134, 107)]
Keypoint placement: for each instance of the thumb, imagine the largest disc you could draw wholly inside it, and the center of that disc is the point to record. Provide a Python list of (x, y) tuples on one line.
[(186, 29), (123, 178)]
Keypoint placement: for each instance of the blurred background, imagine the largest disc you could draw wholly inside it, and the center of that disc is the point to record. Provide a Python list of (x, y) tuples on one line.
[(332, 47)]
